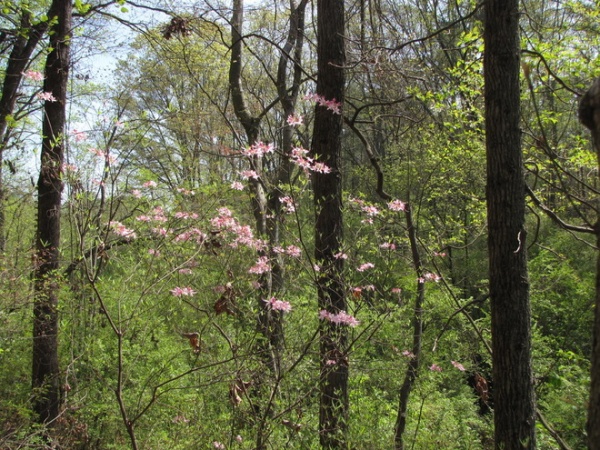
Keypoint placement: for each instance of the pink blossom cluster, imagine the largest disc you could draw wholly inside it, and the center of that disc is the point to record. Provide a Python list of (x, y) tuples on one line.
[(428, 276), (122, 230), (183, 292), (333, 105), (149, 184), (370, 210), (46, 96), (365, 266), (294, 120), (435, 368), (247, 174), (192, 234), (340, 255), (458, 365), (259, 149), (299, 156), (278, 305), (397, 205), (158, 215), (387, 246), (69, 167), (79, 135), (289, 205), (185, 215), (341, 318), (108, 158), (237, 186), (291, 250), (242, 234), (33, 75), (262, 265)]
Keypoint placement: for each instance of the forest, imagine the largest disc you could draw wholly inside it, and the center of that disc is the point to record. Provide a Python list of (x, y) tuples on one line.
[(293, 224)]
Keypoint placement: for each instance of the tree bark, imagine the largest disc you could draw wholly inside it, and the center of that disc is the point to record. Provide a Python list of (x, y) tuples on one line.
[(27, 37), (327, 188), (514, 411), (589, 115), (412, 371), (45, 368)]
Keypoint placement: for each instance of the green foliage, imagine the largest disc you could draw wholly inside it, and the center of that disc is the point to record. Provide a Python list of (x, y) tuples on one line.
[(161, 152)]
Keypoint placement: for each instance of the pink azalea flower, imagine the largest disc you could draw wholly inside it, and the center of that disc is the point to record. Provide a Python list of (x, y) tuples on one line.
[(332, 105), (183, 292), (370, 210), (458, 365), (294, 120), (365, 266), (237, 186), (341, 318), (261, 266), (149, 184), (278, 305), (340, 255), (396, 290), (431, 277), (136, 193), (293, 251), (258, 149), (408, 354), (435, 368), (388, 246), (79, 135), (33, 75), (46, 96), (289, 205), (397, 205), (246, 174), (153, 252), (122, 230), (160, 231), (320, 167)]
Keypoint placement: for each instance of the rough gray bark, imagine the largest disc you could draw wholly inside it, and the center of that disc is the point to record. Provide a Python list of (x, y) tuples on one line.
[(47, 390), (514, 411), (327, 188), (589, 115)]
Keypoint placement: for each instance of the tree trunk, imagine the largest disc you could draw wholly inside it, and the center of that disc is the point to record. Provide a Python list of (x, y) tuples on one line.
[(25, 42), (514, 411), (45, 369), (589, 115), (412, 371), (327, 146)]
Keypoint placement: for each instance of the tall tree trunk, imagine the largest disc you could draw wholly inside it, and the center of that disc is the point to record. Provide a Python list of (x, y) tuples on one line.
[(412, 371), (327, 146), (25, 42), (45, 369), (269, 322), (514, 411), (589, 115)]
